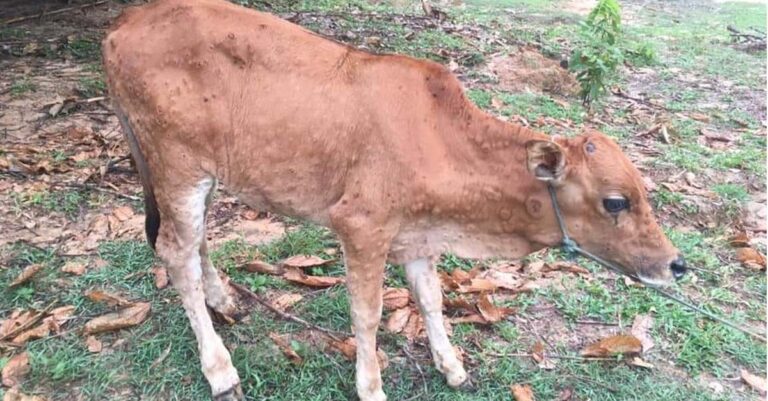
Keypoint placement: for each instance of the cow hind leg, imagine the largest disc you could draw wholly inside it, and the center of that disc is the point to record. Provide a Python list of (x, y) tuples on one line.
[(425, 285), (179, 242), (218, 294)]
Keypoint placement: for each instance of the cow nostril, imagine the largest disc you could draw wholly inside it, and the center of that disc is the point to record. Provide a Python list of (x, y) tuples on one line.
[(678, 267)]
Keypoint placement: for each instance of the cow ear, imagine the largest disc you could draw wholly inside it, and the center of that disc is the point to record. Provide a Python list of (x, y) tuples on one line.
[(546, 160)]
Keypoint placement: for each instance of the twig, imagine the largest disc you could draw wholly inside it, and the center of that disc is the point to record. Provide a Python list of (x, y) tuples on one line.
[(552, 356), (287, 316), (59, 11), (596, 323), (99, 189), (425, 391)]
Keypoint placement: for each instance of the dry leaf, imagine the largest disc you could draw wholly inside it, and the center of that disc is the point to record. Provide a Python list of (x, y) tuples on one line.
[(348, 348), (637, 361), (522, 392), (73, 267), (537, 352), (489, 311), (700, 117), (304, 261), (59, 316), (619, 344), (749, 257), (415, 326), (285, 301), (398, 319), (297, 276), (26, 275), (127, 317), (640, 328), (161, 276), (18, 318), (285, 347), (93, 344), (739, 240), (477, 285), (396, 298), (258, 266), (756, 382), (473, 318), (460, 303), (15, 370), (14, 394), (105, 297), (123, 213), (39, 331)]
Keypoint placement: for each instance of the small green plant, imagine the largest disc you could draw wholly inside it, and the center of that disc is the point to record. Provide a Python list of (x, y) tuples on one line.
[(597, 60), (22, 86), (92, 87), (643, 55)]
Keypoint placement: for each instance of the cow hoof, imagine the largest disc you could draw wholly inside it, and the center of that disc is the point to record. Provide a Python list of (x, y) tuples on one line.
[(467, 385), (233, 394), (458, 378)]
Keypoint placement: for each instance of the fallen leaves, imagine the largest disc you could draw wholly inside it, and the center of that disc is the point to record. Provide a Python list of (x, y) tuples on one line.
[(15, 370), (26, 275), (756, 382), (127, 317), (22, 326), (396, 298), (107, 298), (285, 347), (490, 312), (93, 344), (348, 348), (751, 258), (305, 261), (258, 266), (522, 392), (621, 344), (74, 267), (297, 276), (14, 394), (286, 301), (406, 321), (291, 269)]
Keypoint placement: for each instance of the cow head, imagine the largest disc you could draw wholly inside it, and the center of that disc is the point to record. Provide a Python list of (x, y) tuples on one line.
[(604, 205)]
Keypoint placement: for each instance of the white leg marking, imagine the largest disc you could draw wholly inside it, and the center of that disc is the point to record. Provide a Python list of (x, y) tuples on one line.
[(179, 246), (425, 285), (217, 293)]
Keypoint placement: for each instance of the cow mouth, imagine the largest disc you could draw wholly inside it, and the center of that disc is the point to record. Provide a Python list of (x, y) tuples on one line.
[(653, 281)]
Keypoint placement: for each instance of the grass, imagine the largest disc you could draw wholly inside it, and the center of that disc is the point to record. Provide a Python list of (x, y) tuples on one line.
[(22, 86), (71, 203)]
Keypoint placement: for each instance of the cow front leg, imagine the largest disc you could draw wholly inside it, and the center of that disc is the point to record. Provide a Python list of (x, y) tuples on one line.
[(365, 243), (425, 286)]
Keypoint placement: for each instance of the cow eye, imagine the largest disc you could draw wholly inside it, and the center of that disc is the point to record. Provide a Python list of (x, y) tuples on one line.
[(615, 204)]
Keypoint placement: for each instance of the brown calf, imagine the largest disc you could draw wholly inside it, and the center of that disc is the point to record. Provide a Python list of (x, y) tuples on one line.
[(385, 150)]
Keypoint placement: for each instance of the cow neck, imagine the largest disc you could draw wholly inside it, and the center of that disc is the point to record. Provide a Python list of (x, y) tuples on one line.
[(489, 169)]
